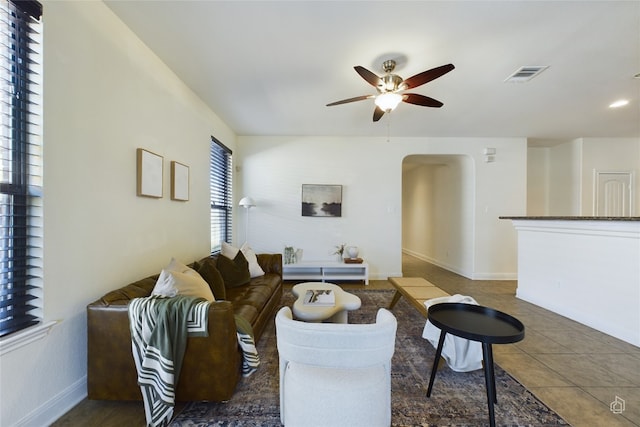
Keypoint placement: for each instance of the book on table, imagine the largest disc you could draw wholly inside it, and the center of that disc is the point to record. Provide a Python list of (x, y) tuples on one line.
[(320, 297)]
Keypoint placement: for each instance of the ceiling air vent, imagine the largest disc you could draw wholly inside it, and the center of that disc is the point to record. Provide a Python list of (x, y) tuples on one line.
[(524, 74)]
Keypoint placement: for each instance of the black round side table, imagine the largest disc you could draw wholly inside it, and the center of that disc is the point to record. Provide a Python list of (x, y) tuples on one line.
[(476, 323)]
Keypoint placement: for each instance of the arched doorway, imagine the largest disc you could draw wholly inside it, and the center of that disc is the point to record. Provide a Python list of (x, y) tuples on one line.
[(437, 210)]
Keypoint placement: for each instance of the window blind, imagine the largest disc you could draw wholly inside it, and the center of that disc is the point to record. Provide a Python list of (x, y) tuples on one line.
[(220, 180), (21, 165)]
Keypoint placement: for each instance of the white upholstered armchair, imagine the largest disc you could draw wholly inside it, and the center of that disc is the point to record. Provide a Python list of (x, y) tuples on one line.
[(335, 374)]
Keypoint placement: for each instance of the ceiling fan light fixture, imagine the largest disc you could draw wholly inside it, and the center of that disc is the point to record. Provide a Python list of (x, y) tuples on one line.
[(388, 101), (389, 86)]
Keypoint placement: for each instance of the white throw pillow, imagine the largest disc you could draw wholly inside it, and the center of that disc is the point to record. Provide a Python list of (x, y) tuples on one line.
[(229, 251), (176, 265), (254, 268), (178, 279)]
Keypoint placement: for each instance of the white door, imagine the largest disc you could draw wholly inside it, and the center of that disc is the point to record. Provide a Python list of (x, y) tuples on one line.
[(613, 193)]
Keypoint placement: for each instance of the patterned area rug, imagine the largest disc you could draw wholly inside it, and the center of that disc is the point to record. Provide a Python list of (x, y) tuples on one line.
[(457, 399)]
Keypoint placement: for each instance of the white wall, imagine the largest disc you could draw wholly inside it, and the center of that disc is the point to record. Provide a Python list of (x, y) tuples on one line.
[(561, 177), (538, 181), (272, 170), (419, 209), (608, 155), (105, 94), (564, 179), (418, 213)]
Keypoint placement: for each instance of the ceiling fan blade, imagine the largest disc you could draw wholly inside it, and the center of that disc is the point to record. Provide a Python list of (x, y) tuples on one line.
[(370, 77), (357, 98), (417, 99), (377, 113), (427, 76)]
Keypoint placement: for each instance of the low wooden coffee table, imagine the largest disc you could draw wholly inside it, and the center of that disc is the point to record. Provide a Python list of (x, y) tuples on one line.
[(416, 290), (336, 313)]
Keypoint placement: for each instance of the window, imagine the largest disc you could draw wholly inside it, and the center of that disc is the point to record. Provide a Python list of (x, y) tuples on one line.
[(220, 173), (20, 166)]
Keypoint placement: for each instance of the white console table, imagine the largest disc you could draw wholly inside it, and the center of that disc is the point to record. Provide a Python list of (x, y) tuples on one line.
[(326, 271)]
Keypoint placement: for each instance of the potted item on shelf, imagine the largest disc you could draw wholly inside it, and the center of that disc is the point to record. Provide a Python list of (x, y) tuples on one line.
[(289, 255), (352, 255), (339, 252), (352, 251)]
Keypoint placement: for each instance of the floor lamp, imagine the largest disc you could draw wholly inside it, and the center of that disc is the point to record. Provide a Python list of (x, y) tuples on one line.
[(247, 203)]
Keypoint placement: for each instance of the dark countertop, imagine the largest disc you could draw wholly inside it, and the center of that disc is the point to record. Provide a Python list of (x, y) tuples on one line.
[(575, 218)]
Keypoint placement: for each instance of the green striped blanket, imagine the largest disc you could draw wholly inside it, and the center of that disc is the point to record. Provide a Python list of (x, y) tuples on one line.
[(159, 330), (250, 358)]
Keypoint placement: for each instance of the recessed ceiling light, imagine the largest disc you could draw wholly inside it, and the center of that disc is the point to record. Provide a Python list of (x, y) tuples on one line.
[(619, 103)]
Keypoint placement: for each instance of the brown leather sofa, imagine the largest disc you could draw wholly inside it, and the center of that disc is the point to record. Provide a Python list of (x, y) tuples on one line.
[(212, 365)]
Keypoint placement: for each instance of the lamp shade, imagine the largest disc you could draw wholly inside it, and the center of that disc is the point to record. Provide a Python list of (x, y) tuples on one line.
[(388, 101), (247, 202)]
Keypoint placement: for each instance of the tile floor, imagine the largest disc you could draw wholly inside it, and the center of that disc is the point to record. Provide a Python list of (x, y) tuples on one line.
[(577, 371)]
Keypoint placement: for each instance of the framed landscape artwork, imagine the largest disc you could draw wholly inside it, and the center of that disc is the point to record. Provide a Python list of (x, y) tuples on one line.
[(321, 200)]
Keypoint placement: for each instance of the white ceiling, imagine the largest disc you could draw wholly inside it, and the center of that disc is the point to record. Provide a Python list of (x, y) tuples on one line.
[(269, 68)]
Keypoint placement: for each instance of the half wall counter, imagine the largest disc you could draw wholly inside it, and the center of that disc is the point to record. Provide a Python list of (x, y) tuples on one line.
[(583, 268)]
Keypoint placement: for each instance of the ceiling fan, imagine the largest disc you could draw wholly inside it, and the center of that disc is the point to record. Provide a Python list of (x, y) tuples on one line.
[(391, 85)]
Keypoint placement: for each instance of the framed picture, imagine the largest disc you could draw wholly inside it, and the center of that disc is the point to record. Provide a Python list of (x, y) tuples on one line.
[(321, 200), (149, 176), (179, 181)]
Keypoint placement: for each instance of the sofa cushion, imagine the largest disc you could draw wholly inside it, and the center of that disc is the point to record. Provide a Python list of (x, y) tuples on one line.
[(172, 283), (206, 267), (178, 279), (235, 272), (254, 268), (249, 300), (231, 251), (228, 250)]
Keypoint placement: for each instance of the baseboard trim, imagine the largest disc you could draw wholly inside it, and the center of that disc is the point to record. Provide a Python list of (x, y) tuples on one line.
[(495, 276), (384, 276), (56, 407), (468, 274), (438, 263)]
